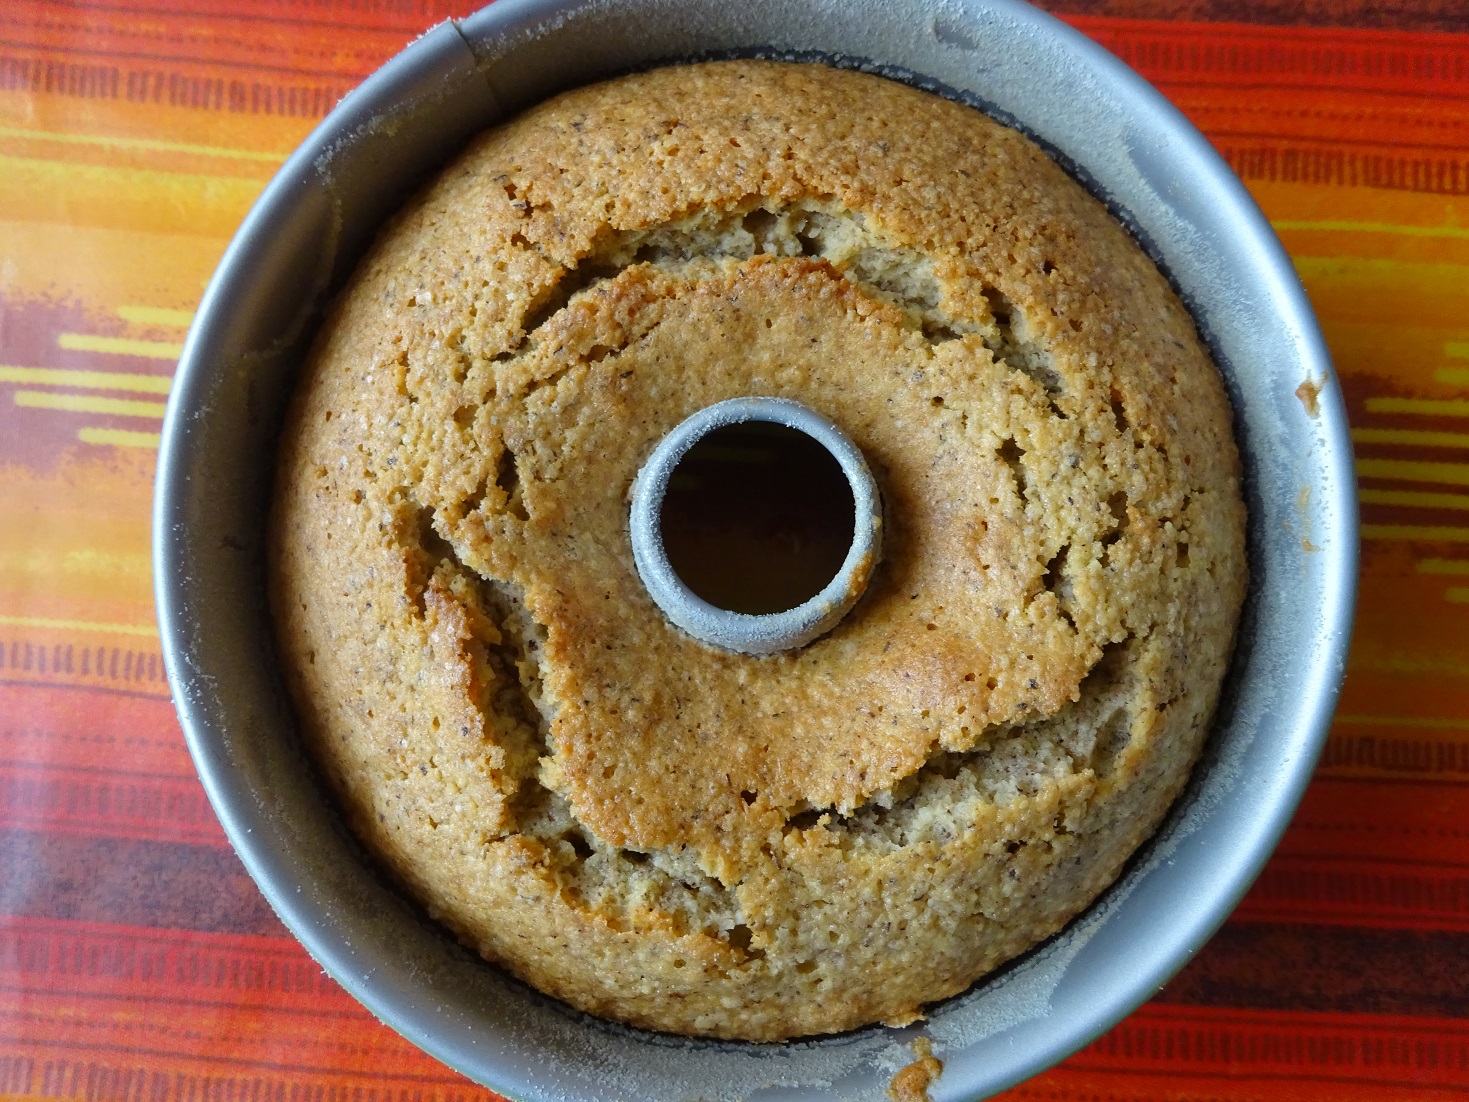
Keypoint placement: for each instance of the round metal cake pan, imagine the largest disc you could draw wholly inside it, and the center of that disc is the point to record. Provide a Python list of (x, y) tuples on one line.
[(1129, 147)]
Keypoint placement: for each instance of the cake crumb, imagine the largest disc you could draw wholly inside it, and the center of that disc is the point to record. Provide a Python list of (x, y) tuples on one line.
[(912, 1083), (905, 1017), (1308, 392), (1303, 502)]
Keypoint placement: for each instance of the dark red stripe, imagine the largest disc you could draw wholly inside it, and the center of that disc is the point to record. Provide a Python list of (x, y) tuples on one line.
[(1348, 969), (1450, 16), (449, 1078), (131, 881)]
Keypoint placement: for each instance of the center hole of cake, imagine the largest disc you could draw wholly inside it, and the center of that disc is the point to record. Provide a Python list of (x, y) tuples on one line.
[(757, 518)]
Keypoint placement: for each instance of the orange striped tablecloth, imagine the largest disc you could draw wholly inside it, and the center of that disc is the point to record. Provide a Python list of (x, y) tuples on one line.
[(138, 963)]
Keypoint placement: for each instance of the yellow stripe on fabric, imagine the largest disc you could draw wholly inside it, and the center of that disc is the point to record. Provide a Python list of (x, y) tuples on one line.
[(1444, 566), (86, 403), (1440, 723), (1412, 436), (91, 380), (123, 346), (1413, 499), (1412, 470), (152, 145), (1457, 595), (1456, 350), (1429, 407), (67, 196), (1334, 226), (156, 315), (120, 438), (1419, 533), (79, 625), (1452, 376)]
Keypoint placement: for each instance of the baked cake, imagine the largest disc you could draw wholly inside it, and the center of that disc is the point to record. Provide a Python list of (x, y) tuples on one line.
[(709, 843)]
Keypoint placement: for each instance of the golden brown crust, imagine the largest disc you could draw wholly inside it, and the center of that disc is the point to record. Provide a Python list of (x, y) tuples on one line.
[(719, 844)]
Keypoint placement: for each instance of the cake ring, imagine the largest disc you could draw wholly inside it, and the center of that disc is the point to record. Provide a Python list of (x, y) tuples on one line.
[(658, 827)]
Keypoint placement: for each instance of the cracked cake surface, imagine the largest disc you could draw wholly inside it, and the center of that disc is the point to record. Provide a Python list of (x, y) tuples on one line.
[(710, 843)]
